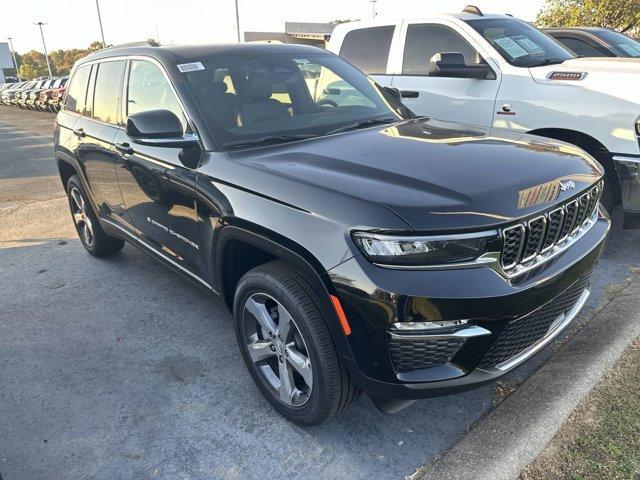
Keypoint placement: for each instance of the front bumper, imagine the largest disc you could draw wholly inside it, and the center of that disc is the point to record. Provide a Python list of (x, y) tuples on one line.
[(375, 298), (628, 169)]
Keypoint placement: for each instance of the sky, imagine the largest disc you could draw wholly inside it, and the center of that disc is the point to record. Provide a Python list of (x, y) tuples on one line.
[(74, 23)]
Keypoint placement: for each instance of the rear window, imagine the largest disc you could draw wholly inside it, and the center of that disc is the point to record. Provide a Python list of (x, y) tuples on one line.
[(77, 90), (107, 91), (368, 48)]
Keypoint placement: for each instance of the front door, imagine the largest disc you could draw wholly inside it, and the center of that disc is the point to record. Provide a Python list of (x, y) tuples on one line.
[(158, 190), (462, 100)]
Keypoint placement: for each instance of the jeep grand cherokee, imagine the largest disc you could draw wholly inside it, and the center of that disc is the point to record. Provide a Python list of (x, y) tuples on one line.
[(358, 247)]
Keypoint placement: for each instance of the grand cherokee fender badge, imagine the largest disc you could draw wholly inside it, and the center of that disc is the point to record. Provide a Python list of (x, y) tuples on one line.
[(567, 185)]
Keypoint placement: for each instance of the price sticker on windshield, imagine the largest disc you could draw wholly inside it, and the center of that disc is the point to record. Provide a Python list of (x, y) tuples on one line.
[(190, 67)]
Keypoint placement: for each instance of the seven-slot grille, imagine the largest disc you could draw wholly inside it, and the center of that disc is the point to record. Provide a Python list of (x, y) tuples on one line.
[(524, 242)]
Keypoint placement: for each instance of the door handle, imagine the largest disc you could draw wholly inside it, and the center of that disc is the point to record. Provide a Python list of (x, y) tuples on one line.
[(409, 94), (124, 148), (79, 132)]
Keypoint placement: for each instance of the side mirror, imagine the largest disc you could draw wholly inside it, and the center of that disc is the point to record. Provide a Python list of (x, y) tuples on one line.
[(452, 65), (394, 93), (160, 128)]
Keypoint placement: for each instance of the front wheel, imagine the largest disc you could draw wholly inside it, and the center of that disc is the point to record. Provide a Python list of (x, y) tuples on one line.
[(287, 347)]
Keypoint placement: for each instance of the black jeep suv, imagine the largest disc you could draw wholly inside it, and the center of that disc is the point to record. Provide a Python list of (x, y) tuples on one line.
[(359, 248)]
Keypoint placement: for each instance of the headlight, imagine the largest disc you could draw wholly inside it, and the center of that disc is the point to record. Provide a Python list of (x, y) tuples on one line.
[(423, 251)]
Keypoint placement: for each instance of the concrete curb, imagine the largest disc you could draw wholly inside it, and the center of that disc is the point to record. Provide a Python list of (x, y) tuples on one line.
[(502, 444)]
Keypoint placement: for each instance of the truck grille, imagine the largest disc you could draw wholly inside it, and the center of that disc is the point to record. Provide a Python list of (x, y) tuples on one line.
[(523, 332), (522, 243), (408, 355)]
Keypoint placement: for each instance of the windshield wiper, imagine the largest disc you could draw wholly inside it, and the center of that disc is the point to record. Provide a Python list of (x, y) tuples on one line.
[(363, 124), (265, 140)]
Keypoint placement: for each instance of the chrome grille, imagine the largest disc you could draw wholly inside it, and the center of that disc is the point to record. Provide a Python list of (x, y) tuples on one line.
[(524, 242), (535, 235)]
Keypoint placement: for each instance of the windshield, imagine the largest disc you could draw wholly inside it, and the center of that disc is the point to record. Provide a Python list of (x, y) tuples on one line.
[(621, 44), (252, 98), (519, 43)]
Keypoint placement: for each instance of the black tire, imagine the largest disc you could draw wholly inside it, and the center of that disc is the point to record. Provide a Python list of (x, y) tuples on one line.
[(332, 390), (99, 244)]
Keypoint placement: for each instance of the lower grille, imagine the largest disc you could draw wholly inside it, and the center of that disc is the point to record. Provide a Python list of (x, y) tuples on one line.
[(408, 355), (523, 332)]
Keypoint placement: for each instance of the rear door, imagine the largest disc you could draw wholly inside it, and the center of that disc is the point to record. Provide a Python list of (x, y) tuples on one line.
[(158, 190), (96, 130), (463, 100), (368, 49)]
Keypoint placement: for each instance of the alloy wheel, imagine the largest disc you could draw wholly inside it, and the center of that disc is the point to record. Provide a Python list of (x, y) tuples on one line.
[(80, 216), (277, 349)]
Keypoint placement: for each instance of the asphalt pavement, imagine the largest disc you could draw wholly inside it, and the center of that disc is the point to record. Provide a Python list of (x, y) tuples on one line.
[(119, 368)]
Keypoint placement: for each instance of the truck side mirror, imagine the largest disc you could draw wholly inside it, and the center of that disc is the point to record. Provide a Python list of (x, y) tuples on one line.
[(452, 65)]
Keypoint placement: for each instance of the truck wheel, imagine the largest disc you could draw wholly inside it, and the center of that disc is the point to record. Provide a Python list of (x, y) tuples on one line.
[(93, 237), (287, 347)]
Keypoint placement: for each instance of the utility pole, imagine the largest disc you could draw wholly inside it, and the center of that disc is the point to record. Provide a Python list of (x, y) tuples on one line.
[(13, 54), (238, 21), (104, 44), (373, 8), (44, 45)]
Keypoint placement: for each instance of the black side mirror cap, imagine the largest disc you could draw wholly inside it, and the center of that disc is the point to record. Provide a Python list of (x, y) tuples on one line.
[(161, 128)]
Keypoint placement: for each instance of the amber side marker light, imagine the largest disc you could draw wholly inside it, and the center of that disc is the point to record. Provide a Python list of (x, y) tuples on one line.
[(341, 316)]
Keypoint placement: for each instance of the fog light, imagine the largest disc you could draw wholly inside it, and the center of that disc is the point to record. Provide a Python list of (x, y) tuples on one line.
[(406, 326)]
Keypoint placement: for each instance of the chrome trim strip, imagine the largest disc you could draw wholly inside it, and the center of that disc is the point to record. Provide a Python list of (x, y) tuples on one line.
[(160, 254), (555, 239), (554, 331), (528, 230), (465, 333), (524, 234)]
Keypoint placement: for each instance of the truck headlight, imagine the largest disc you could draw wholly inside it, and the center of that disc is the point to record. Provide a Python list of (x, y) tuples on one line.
[(423, 251)]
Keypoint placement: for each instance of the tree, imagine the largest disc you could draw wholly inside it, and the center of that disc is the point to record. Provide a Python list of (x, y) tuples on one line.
[(33, 65), (621, 15)]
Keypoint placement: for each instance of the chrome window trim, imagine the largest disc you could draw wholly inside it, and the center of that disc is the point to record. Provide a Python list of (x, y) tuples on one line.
[(142, 58)]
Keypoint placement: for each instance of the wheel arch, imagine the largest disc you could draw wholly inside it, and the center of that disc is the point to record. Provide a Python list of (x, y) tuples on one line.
[(239, 249)]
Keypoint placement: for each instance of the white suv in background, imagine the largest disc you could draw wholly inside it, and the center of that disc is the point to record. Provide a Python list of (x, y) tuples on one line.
[(498, 72)]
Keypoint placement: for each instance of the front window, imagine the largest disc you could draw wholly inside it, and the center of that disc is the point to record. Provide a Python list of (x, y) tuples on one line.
[(247, 98), (519, 43), (621, 44)]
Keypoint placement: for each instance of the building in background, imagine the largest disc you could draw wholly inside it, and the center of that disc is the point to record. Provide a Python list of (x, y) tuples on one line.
[(315, 34), (5, 59)]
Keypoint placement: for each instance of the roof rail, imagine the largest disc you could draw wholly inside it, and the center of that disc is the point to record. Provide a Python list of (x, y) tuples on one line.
[(145, 43), (473, 10)]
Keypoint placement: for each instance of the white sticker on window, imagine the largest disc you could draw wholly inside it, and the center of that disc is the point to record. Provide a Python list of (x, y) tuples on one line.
[(511, 47), (190, 67), (528, 44)]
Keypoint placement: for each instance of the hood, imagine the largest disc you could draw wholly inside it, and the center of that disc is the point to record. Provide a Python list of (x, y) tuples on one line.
[(435, 175), (618, 77)]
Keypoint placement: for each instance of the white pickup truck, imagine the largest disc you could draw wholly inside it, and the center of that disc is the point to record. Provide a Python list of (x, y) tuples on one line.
[(498, 72)]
